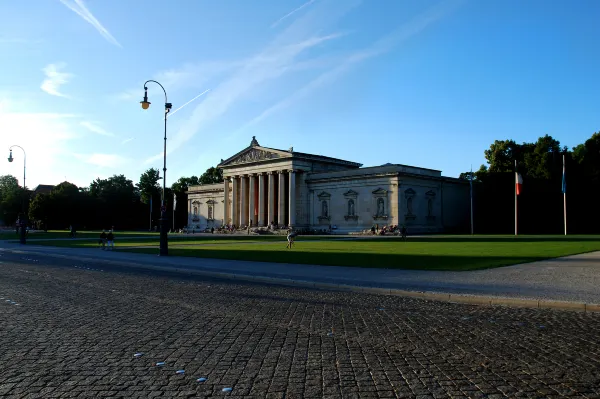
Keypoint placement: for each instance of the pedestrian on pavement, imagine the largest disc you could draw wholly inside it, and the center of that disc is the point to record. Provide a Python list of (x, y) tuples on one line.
[(102, 241), (110, 239), (290, 239)]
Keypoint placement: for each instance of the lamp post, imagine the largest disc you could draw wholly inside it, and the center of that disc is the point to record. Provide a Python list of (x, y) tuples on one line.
[(164, 244), (23, 216)]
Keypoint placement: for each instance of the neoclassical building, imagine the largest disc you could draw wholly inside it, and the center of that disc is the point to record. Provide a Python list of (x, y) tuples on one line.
[(287, 188)]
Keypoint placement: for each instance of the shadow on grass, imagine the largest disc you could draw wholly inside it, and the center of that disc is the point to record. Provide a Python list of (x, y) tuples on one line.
[(364, 260), (491, 239)]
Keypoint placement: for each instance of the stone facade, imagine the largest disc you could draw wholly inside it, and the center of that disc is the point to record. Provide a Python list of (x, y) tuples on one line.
[(264, 185)]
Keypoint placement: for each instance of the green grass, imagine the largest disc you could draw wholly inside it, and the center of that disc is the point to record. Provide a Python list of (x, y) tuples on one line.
[(456, 253), (133, 240), (54, 234)]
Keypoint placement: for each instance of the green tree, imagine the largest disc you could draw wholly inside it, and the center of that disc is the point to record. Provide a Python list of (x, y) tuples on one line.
[(501, 155), (149, 186), (211, 176), (13, 199), (39, 209), (587, 157)]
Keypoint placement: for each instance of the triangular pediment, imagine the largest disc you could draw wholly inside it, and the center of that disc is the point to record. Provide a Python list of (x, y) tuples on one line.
[(430, 193), (351, 193), (380, 191), (254, 154), (324, 195)]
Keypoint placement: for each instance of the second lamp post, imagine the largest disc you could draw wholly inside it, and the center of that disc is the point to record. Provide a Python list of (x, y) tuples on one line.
[(164, 226), (23, 216)]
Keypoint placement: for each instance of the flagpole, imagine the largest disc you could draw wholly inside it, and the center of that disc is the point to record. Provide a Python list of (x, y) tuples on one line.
[(564, 190), (516, 182), (174, 203), (471, 193), (150, 213)]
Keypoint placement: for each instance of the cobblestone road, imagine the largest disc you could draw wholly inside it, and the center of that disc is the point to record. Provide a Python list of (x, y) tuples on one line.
[(71, 330)]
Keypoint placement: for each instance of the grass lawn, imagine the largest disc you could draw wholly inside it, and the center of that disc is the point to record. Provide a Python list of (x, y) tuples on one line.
[(53, 234), (132, 240), (457, 253)]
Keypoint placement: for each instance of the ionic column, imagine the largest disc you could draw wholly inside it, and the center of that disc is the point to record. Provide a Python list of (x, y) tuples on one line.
[(281, 197), (251, 217), (226, 202), (292, 211), (235, 214), (271, 204), (261, 200), (244, 202)]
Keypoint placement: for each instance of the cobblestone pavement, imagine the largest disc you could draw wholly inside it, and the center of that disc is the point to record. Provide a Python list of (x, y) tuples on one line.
[(71, 329)]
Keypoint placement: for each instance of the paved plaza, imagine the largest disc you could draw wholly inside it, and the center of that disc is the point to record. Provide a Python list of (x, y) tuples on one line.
[(71, 329)]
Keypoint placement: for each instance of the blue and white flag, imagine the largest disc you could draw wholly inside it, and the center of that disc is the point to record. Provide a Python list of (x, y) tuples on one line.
[(174, 201)]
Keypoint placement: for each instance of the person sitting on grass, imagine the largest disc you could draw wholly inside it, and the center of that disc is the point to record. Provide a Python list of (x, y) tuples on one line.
[(102, 241), (110, 239), (290, 238)]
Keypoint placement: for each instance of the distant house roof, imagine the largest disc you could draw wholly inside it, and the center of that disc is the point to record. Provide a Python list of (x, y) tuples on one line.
[(43, 189)]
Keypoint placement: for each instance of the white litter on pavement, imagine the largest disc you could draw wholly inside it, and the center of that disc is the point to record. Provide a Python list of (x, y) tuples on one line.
[(201, 379), (139, 354), (227, 389), (160, 363), (180, 372)]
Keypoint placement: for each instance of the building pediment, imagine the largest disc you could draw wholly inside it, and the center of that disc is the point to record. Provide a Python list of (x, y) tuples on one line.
[(430, 193), (254, 154), (351, 194), (380, 191), (324, 195)]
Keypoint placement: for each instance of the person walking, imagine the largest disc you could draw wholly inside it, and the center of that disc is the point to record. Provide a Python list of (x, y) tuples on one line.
[(110, 240), (290, 239), (102, 241)]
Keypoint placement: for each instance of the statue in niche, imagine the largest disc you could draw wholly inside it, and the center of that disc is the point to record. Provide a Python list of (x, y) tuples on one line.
[(324, 209), (409, 205), (380, 207), (351, 208), (195, 211), (430, 207)]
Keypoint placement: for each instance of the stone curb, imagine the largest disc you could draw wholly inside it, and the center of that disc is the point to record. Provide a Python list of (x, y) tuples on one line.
[(425, 295)]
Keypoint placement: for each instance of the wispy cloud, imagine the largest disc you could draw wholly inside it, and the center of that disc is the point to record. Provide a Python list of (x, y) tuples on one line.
[(55, 79), (382, 46), (289, 14), (126, 141), (45, 137), (79, 8), (103, 160), (94, 128), (263, 68)]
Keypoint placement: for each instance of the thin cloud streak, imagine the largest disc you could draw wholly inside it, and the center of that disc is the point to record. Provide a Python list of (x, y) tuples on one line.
[(79, 8), (126, 141), (96, 129), (204, 92), (271, 63), (291, 13), (382, 46), (55, 79)]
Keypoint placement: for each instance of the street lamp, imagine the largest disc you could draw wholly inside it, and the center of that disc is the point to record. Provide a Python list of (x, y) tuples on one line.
[(23, 216), (164, 244)]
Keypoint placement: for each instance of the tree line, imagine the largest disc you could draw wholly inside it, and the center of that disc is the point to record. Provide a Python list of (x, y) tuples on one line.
[(113, 202), (540, 205)]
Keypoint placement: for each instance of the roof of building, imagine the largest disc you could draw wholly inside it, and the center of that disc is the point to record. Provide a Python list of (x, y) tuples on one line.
[(43, 189), (279, 154)]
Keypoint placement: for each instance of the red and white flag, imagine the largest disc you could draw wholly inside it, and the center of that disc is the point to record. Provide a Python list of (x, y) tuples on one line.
[(518, 182)]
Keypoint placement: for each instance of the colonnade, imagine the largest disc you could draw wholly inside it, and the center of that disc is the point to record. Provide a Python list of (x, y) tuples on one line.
[(262, 198)]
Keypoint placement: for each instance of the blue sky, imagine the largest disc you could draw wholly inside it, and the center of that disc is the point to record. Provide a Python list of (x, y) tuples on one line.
[(427, 83)]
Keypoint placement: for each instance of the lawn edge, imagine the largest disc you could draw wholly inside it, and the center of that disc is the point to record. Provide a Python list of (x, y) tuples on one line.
[(477, 300)]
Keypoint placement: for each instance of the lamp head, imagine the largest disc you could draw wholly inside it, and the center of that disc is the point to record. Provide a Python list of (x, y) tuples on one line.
[(145, 103), (10, 157)]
